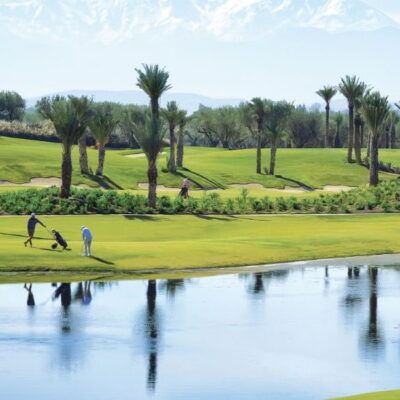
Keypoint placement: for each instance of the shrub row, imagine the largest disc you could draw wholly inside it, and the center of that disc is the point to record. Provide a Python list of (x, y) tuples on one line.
[(383, 198)]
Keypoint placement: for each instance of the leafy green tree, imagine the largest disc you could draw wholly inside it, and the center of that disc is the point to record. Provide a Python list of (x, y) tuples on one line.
[(172, 115), (327, 93), (153, 80), (277, 119), (338, 118), (70, 117), (130, 118), (304, 127), (12, 106), (352, 89), (183, 119), (102, 125), (375, 109)]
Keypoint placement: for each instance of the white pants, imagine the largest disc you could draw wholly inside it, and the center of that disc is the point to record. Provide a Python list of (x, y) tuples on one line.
[(87, 244)]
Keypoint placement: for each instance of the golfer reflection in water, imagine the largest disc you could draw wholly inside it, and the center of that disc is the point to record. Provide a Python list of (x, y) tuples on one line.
[(31, 300)]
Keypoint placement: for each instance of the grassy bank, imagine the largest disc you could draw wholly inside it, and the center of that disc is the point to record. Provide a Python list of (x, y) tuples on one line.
[(171, 243), (391, 395), (21, 160)]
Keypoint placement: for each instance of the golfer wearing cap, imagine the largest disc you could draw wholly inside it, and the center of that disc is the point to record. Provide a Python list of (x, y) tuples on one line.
[(87, 240), (32, 222)]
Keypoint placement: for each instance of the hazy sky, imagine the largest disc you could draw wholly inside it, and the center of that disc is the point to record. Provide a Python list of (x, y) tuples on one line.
[(221, 48)]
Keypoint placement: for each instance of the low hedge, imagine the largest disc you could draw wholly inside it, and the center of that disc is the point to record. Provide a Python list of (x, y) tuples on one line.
[(383, 198)]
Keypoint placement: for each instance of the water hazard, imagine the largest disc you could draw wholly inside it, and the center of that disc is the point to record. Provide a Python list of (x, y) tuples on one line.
[(301, 333)]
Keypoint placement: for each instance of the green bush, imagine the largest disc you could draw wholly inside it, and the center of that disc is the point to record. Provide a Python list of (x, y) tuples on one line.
[(384, 197)]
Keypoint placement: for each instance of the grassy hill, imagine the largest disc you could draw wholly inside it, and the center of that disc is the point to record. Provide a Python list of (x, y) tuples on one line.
[(208, 168)]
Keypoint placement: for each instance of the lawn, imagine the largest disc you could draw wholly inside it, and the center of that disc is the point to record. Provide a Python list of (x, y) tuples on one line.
[(126, 244), (391, 395), (21, 160)]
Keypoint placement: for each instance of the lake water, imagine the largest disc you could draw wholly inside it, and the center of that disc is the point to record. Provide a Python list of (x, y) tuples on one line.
[(301, 333)]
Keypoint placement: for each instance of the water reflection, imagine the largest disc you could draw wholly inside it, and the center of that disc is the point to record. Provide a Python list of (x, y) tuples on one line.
[(30, 300), (151, 332), (312, 325), (373, 339)]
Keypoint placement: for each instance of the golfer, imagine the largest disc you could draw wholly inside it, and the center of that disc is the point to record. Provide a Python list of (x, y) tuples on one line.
[(32, 222), (87, 240), (185, 188)]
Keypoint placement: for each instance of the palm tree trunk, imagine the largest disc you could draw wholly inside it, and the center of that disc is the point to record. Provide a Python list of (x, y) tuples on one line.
[(272, 158), (373, 163), (357, 141), (83, 157), (258, 156), (179, 150), (152, 178), (66, 172), (100, 165), (351, 134), (327, 108), (171, 161), (393, 137), (369, 146)]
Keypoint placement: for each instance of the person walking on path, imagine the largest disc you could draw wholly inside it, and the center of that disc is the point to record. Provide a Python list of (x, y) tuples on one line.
[(32, 222), (87, 238), (185, 188)]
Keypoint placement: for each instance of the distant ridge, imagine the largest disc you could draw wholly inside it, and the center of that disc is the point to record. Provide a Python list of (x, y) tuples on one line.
[(187, 101)]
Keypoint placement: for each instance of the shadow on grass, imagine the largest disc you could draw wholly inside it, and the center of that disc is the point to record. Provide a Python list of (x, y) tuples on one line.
[(101, 260), (214, 217), (104, 181), (213, 182), (23, 236), (299, 183), (141, 217), (45, 249)]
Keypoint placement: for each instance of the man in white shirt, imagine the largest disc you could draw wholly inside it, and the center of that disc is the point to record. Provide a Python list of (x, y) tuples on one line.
[(87, 240)]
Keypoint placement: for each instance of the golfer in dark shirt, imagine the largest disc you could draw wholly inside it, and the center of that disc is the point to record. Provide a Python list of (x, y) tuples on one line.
[(32, 222)]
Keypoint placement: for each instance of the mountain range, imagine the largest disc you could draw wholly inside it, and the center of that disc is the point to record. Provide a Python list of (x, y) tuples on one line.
[(187, 101)]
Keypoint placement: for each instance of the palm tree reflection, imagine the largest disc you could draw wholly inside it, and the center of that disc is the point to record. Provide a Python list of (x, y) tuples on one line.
[(374, 337), (151, 332)]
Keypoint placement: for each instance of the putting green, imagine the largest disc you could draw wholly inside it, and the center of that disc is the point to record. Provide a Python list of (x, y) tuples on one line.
[(391, 395), (173, 243)]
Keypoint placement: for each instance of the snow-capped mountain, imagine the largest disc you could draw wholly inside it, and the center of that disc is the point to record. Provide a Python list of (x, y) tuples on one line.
[(119, 20)]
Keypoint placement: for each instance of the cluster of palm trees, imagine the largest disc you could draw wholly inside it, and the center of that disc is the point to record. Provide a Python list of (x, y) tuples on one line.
[(365, 106), (266, 119), (72, 117)]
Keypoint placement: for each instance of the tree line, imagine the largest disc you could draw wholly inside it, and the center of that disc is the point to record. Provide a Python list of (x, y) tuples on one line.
[(255, 124)]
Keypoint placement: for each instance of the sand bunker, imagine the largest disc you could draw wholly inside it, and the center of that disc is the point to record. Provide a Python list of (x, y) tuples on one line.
[(41, 182), (291, 189), (337, 188), (160, 188), (286, 189)]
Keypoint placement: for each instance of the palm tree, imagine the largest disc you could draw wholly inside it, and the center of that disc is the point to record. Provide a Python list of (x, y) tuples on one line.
[(338, 118), (259, 109), (352, 89), (183, 119), (102, 125), (375, 110), (70, 118), (277, 116), (83, 157), (327, 93), (154, 82), (172, 116)]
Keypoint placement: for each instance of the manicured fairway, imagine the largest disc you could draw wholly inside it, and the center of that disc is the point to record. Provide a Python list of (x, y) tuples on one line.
[(171, 243), (21, 160), (391, 395)]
